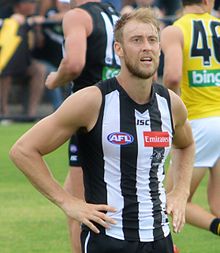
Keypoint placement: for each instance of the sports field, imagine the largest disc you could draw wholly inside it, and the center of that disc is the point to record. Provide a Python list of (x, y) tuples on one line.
[(29, 223)]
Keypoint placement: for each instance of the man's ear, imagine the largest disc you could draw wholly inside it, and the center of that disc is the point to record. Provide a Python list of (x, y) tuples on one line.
[(118, 49)]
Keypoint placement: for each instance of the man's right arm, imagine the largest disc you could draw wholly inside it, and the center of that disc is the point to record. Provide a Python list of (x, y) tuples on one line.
[(47, 135)]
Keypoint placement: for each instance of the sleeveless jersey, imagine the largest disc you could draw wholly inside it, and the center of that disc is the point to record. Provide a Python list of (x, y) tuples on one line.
[(123, 160), (200, 84), (101, 60)]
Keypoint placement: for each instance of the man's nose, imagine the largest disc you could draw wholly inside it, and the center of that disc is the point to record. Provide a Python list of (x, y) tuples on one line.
[(147, 45)]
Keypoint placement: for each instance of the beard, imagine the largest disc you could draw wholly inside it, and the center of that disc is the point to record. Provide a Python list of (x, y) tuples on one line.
[(138, 72)]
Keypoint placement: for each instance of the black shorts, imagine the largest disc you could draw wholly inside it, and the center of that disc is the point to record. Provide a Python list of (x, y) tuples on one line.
[(100, 243), (74, 156)]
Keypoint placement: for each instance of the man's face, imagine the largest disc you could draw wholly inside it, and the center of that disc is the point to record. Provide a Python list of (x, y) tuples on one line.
[(141, 49)]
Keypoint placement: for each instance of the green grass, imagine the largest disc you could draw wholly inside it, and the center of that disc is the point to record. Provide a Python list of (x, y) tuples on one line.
[(195, 240), (29, 223)]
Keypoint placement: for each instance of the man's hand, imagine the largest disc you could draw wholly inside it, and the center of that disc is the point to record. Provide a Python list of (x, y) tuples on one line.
[(89, 214), (176, 207), (50, 82)]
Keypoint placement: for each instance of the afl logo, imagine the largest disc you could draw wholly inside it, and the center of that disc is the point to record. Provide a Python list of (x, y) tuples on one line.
[(120, 138)]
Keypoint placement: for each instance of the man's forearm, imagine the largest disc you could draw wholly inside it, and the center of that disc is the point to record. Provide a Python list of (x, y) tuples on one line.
[(182, 161), (64, 75), (35, 169)]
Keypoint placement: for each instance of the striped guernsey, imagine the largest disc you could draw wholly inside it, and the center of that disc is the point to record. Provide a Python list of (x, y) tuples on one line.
[(123, 160)]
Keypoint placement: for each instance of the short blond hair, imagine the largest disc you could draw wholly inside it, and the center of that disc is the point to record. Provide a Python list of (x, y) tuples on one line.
[(143, 15)]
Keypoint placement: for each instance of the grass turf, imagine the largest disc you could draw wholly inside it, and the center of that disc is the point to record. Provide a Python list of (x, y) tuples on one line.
[(29, 223)]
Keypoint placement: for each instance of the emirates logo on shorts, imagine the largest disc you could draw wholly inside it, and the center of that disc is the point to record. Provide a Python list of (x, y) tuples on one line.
[(156, 139)]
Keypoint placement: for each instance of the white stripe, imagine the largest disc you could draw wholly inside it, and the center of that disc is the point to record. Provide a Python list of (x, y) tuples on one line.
[(115, 19), (86, 243), (166, 126), (110, 40), (112, 173), (165, 115), (146, 220), (109, 32)]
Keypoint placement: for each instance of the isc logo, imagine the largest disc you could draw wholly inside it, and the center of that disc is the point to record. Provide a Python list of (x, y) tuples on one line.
[(120, 138), (143, 122)]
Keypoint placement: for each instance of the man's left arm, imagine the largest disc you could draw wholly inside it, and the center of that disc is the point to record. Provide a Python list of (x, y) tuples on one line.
[(182, 158)]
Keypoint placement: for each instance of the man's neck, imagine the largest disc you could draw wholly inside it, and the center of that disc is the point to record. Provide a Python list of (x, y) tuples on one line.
[(197, 9), (138, 90)]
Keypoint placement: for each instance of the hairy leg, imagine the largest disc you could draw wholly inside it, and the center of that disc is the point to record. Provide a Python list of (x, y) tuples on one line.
[(195, 214)]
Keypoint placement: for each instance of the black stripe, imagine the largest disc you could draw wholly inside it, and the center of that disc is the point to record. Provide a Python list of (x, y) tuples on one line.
[(128, 170), (95, 186), (156, 125)]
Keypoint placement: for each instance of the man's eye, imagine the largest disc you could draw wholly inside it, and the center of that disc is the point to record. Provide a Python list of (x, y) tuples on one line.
[(153, 39), (137, 40)]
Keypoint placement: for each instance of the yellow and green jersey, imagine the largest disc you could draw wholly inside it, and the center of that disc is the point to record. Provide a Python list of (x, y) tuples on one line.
[(200, 84)]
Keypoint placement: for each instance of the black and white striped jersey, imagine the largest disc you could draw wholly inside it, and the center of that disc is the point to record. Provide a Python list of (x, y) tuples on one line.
[(123, 160)]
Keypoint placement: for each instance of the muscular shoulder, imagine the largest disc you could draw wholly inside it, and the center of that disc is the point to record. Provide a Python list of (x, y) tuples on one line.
[(78, 17), (82, 107)]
